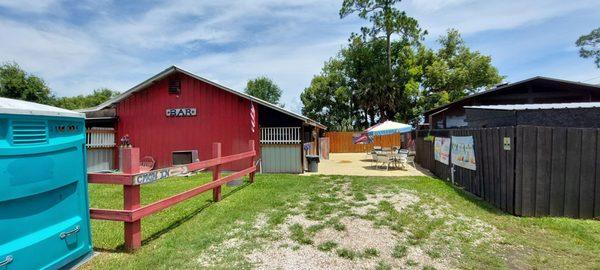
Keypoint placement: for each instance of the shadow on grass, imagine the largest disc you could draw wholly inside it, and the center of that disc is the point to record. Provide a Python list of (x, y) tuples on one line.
[(474, 199), (121, 248)]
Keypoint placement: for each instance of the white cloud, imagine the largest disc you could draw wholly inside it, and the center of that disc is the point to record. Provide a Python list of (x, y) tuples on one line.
[(231, 41), (52, 50), (38, 6), (470, 17)]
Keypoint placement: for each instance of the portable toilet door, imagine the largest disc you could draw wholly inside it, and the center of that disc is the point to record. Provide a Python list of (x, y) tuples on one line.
[(44, 210)]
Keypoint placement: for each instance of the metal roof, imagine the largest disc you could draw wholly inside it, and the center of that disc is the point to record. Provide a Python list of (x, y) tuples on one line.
[(547, 106), (510, 85), (174, 69), (13, 106)]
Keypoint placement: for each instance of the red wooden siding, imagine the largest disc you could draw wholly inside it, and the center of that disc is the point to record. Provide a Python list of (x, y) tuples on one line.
[(220, 117)]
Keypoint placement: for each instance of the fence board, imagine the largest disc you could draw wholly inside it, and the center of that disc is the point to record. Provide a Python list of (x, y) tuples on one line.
[(510, 174), (519, 173), (544, 159), (572, 173), (503, 182), (529, 159), (341, 142), (597, 178), (586, 185), (557, 178)]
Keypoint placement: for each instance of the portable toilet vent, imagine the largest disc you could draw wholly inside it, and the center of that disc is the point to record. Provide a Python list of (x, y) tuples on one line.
[(44, 210)]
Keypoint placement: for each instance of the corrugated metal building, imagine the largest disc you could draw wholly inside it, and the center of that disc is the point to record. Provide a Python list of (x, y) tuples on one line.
[(176, 115), (580, 115), (536, 90)]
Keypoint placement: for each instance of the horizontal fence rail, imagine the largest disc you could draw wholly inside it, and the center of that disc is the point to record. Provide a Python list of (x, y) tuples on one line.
[(132, 179), (100, 138), (280, 135), (526, 170)]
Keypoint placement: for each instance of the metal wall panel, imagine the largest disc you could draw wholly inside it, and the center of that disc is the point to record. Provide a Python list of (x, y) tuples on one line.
[(281, 158), (99, 159)]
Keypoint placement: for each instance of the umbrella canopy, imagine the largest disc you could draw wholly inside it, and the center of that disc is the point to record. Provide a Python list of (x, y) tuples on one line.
[(363, 138), (389, 127)]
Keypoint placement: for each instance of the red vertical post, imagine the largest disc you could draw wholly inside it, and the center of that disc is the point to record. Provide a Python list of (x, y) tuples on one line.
[(216, 170), (131, 198), (251, 176)]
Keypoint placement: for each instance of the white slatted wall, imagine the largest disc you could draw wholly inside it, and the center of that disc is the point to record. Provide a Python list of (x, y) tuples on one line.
[(280, 135)]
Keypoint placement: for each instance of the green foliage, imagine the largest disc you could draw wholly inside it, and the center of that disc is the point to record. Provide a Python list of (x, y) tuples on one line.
[(264, 88), (589, 46), (15, 83), (86, 101), (455, 71), (377, 78), (370, 253), (299, 235), (399, 251), (327, 246), (385, 18), (328, 98), (346, 253)]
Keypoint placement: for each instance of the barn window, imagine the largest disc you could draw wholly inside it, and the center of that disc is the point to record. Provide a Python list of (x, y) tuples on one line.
[(174, 86)]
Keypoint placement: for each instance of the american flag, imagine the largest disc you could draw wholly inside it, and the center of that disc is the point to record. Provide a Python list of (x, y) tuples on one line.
[(252, 117)]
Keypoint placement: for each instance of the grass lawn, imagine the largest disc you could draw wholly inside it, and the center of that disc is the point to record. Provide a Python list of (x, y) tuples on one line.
[(338, 222)]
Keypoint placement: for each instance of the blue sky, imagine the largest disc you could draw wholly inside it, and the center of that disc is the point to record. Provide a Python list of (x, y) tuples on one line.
[(78, 46)]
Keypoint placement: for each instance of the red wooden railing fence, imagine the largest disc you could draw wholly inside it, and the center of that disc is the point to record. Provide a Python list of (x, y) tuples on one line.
[(131, 179)]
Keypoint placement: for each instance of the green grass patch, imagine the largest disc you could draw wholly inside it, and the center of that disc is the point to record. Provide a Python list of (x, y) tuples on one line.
[(370, 253), (299, 235), (399, 251), (327, 246), (176, 237), (346, 253)]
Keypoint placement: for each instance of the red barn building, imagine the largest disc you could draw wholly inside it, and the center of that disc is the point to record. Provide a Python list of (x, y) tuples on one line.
[(175, 116)]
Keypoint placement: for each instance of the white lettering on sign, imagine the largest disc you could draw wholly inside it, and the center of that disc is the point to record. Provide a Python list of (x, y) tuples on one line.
[(181, 112)]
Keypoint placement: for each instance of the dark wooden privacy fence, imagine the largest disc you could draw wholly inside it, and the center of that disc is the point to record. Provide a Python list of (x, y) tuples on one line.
[(548, 171)]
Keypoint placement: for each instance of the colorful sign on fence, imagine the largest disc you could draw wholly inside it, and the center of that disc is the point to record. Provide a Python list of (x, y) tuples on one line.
[(463, 153), (441, 149)]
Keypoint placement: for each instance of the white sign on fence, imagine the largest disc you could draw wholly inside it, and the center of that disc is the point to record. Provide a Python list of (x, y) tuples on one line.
[(441, 149), (463, 153)]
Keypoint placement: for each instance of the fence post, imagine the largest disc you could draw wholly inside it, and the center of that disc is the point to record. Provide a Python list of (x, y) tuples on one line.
[(251, 175), (131, 198), (216, 171)]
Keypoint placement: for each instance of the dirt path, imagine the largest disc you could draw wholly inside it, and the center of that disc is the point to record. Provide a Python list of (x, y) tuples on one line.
[(344, 228)]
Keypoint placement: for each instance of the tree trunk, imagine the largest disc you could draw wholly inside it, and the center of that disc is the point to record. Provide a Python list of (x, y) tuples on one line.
[(388, 37)]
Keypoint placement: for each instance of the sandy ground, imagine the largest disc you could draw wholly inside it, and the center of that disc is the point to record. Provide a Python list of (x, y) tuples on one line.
[(359, 164)]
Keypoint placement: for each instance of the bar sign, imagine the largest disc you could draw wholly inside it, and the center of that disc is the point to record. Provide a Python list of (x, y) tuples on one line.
[(181, 112)]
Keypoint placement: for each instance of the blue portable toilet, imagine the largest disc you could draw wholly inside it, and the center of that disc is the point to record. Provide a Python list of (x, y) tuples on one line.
[(44, 210)]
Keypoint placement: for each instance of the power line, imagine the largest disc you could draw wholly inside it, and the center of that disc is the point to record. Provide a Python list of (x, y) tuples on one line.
[(597, 77)]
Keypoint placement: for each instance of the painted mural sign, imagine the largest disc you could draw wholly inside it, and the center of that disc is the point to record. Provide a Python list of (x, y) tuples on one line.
[(181, 112), (463, 153), (441, 149), (153, 176)]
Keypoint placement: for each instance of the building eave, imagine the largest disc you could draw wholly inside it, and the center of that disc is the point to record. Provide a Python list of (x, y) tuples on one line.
[(174, 69)]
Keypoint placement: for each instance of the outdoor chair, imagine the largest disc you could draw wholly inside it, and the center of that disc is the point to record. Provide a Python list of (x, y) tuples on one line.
[(374, 158), (402, 157), (384, 158)]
